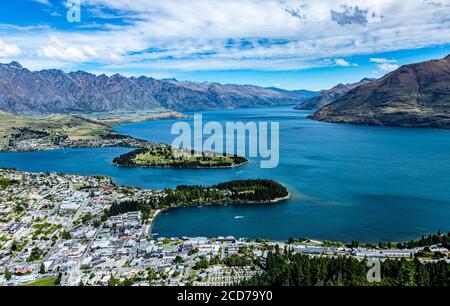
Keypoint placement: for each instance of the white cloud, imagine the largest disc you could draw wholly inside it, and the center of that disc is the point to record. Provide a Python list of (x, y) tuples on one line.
[(66, 51), (385, 65), (190, 35), (388, 67), (8, 50), (382, 60), (44, 2), (343, 63)]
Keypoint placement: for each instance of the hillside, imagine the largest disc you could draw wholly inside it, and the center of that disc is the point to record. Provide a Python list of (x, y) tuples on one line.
[(416, 95), (50, 129)]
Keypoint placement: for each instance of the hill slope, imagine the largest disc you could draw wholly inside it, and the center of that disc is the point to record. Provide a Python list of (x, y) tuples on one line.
[(416, 95), (329, 96), (54, 91)]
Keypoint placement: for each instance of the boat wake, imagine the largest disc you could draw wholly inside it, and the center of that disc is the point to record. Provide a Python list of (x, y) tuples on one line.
[(239, 217)]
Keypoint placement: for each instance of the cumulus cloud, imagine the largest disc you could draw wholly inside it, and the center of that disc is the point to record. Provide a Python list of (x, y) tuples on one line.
[(385, 65), (343, 63), (8, 50), (60, 49), (239, 34)]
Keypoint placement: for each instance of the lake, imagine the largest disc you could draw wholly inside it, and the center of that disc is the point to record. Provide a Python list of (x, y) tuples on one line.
[(348, 182)]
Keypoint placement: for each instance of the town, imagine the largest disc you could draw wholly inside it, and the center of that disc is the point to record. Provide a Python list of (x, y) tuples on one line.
[(58, 229), (32, 143)]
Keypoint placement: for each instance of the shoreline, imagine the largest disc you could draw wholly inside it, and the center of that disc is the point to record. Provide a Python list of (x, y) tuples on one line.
[(151, 221), (160, 211), (154, 220), (167, 157), (174, 167), (286, 198), (67, 148)]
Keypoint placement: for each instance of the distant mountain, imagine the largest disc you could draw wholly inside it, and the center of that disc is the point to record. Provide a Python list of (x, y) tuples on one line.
[(308, 94), (329, 96), (54, 91)]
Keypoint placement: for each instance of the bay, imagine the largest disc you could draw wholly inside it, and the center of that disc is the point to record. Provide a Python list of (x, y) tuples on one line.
[(348, 182)]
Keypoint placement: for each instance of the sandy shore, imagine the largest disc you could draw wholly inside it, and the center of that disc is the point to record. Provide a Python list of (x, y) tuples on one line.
[(288, 197), (151, 220)]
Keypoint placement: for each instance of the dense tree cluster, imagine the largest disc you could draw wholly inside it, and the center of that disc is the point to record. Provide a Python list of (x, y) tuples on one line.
[(254, 190), (235, 192), (36, 254), (288, 269), (127, 206), (439, 238), (204, 263), (257, 191), (5, 182), (238, 261)]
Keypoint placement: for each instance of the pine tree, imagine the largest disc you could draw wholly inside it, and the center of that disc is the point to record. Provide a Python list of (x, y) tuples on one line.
[(407, 274), (422, 274), (7, 274), (42, 269)]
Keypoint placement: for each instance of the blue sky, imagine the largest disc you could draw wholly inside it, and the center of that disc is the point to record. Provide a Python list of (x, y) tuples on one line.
[(292, 44)]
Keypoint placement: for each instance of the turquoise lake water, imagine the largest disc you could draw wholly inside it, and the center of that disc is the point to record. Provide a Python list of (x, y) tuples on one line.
[(348, 182)]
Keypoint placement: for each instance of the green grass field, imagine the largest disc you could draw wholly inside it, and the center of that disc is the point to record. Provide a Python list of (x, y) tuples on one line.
[(45, 282)]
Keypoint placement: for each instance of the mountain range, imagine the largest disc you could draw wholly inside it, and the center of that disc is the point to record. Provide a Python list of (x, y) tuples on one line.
[(328, 96), (415, 95), (54, 91)]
